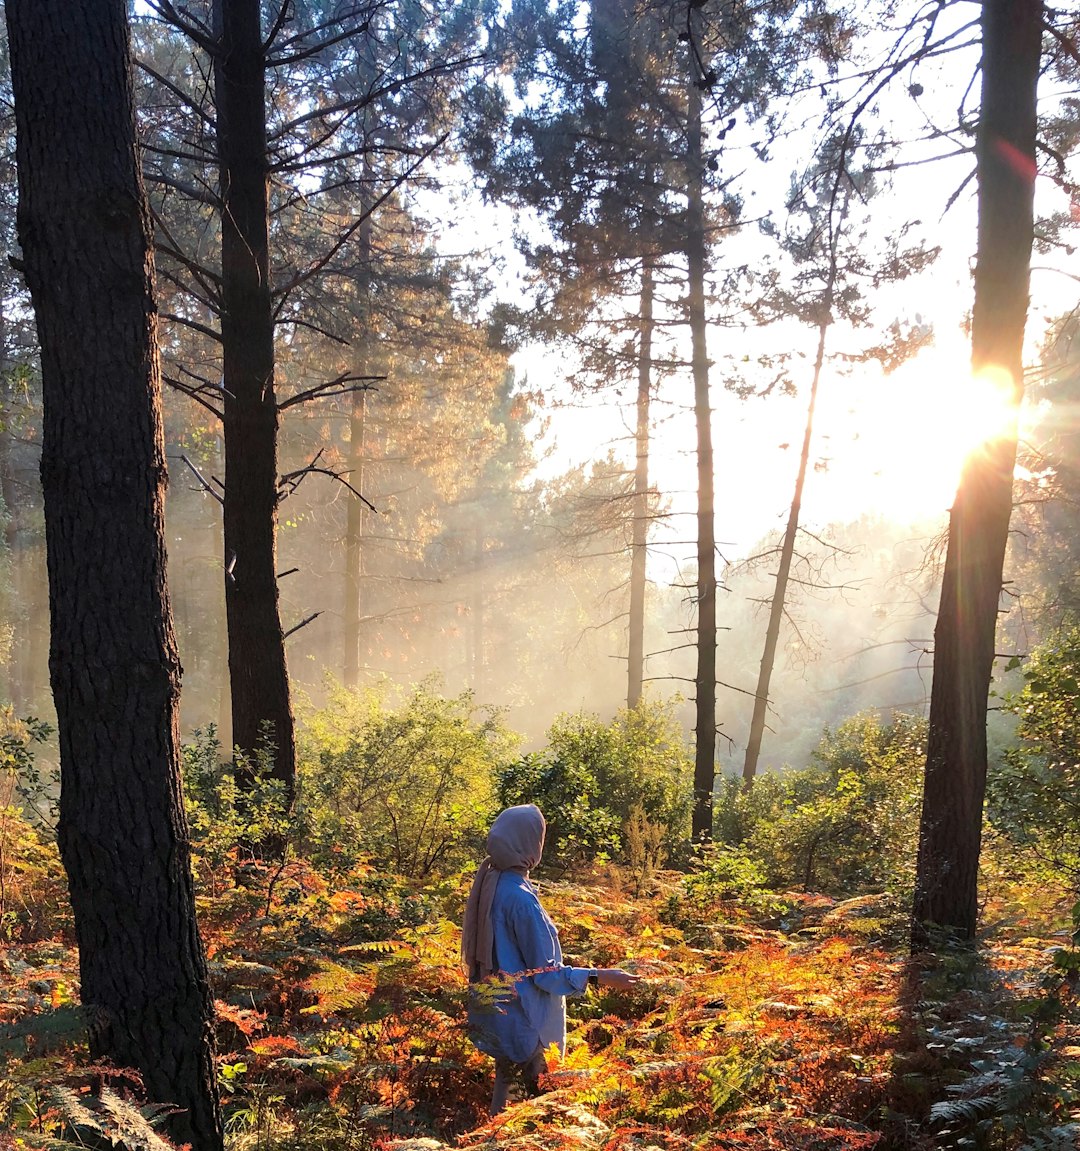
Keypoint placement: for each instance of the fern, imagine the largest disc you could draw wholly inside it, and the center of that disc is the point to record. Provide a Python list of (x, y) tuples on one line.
[(1063, 1138), (109, 1117)]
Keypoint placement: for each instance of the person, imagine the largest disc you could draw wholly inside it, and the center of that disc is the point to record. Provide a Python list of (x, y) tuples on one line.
[(511, 955)]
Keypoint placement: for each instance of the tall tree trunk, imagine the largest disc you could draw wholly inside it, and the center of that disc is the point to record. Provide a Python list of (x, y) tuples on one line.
[(86, 238), (776, 608), (355, 509), (946, 885), (258, 676), (354, 542), (476, 614), (705, 680), (639, 554)]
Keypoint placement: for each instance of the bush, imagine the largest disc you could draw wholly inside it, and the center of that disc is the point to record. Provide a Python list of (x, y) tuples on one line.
[(597, 782), (844, 825), (1033, 791), (33, 889), (411, 788)]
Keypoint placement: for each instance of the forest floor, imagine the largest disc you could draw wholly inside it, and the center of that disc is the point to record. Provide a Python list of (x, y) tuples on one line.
[(341, 1026)]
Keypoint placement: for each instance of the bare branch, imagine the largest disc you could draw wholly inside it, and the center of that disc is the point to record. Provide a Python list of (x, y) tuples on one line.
[(317, 267), (202, 480), (193, 393), (279, 23), (298, 323), (202, 195), (188, 101), (343, 385), (185, 22), (302, 623), (358, 103), (206, 330), (289, 482)]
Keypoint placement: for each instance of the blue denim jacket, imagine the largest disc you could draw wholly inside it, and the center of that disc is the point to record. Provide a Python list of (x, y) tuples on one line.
[(526, 1008)]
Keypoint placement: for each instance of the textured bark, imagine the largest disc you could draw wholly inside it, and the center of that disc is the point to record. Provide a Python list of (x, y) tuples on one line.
[(705, 680), (776, 607), (85, 234), (258, 676), (639, 552), (946, 892)]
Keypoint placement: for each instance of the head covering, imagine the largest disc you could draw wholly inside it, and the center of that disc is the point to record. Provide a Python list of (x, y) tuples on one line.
[(515, 843)]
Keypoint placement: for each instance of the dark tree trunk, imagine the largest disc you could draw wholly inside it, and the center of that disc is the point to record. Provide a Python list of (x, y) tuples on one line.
[(776, 607), (705, 680), (259, 681), (639, 554), (85, 234), (946, 885)]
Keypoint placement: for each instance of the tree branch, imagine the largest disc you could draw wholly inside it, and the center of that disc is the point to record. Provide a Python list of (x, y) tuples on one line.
[(191, 26), (317, 267), (302, 623), (343, 385), (202, 480), (289, 482), (193, 393), (178, 92)]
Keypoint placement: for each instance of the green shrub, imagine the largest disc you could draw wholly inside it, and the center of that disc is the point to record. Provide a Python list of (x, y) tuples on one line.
[(727, 874), (596, 781), (410, 787), (846, 824), (1033, 791)]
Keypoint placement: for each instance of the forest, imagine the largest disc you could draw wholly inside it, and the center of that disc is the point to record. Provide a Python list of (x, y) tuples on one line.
[(661, 412)]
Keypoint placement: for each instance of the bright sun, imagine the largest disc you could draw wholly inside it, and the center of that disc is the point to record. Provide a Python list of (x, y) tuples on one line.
[(911, 432)]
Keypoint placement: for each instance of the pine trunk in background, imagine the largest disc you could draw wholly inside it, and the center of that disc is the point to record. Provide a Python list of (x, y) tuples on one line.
[(776, 607), (355, 509), (258, 676), (354, 541), (705, 680), (946, 884), (639, 554), (86, 239)]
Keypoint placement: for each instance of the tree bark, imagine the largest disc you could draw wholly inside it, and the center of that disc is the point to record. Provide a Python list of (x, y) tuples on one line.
[(776, 607), (86, 238), (705, 680), (258, 675), (639, 553), (946, 885)]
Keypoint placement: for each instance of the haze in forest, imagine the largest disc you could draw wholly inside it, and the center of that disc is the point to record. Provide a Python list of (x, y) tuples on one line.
[(494, 556)]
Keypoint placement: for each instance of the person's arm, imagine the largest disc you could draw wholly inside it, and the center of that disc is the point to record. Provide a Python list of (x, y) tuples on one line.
[(614, 977), (537, 942)]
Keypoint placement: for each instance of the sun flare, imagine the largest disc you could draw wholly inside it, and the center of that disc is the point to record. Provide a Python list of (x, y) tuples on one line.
[(912, 431)]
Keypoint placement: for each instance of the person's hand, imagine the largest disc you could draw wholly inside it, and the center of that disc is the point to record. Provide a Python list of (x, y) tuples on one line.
[(616, 977)]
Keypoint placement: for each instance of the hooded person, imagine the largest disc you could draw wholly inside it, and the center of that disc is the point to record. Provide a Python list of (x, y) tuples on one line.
[(511, 954)]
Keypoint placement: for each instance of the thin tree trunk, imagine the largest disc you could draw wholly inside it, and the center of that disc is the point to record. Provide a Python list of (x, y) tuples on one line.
[(354, 542), (946, 885), (355, 510), (705, 680), (476, 612), (259, 681), (639, 554), (776, 608), (86, 237)]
